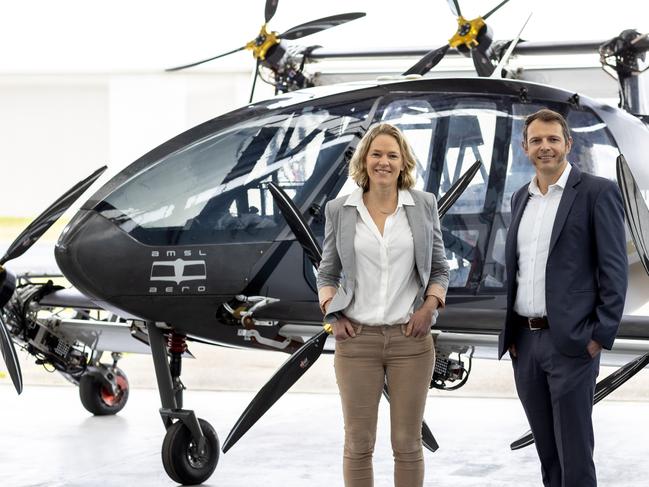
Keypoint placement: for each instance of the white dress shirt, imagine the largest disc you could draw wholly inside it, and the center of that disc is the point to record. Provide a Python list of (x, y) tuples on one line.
[(533, 245), (386, 280)]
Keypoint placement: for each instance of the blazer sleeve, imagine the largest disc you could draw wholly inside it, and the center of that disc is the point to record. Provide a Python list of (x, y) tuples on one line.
[(330, 267), (612, 265), (439, 270)]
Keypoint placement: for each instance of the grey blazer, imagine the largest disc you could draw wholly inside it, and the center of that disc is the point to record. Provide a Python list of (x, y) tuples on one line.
[(337, 266)]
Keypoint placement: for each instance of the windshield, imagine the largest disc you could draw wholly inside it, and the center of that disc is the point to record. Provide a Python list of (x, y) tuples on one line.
[(448, 133), (214, 190)]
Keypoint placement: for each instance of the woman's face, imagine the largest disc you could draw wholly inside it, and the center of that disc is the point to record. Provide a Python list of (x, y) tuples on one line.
[(384, 162)]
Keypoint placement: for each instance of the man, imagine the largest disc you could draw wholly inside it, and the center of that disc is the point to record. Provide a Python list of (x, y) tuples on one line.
[(566, 283)]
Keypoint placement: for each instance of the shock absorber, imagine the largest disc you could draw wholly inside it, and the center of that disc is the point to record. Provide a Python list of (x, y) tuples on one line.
[(177, 345)]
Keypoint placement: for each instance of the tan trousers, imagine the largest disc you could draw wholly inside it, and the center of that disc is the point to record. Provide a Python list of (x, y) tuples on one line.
[(363, 363)]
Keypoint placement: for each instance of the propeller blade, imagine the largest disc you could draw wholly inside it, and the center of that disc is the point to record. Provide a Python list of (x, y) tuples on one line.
[(428, 62), (427, 438), (255, 75), (455, 191), (641, 43), (284, 378), (46, 219), (302, 359), (454, 5), (297, 224), (10, 357), (505, 58), (488, 14), (270, 9), (637, 214), (178, 68), (315, 26), (604, 387), (483, 65)]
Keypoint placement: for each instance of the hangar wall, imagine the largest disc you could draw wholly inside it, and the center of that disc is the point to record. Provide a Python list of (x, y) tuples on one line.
[(57, 129)]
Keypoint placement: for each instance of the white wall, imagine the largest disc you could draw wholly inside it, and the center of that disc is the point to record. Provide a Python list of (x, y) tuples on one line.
[(57, 129)]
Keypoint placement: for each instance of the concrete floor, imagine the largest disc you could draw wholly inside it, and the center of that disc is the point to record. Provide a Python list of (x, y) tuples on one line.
[(48, 439)]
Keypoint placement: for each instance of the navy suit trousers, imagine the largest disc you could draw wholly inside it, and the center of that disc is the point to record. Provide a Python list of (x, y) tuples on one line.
[(557, 392)]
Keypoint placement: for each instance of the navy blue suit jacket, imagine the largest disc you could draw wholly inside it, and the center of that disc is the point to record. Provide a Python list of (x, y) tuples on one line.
[(586, 271)]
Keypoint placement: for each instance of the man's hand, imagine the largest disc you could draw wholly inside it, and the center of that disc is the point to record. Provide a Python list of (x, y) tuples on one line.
[(512, 351), (593, 348), (343, 329)]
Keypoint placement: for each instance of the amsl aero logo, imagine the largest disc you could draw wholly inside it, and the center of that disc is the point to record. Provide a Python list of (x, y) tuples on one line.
[(183, 271)]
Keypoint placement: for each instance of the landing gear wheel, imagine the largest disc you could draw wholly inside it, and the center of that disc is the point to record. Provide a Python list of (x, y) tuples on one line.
[(98, 398), (180, 456)]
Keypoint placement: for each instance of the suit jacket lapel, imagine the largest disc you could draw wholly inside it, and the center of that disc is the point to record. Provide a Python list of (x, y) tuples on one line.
[(512, 234), (567, 199)]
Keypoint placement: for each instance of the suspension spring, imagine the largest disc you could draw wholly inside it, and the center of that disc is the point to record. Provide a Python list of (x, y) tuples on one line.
[(177, 342)]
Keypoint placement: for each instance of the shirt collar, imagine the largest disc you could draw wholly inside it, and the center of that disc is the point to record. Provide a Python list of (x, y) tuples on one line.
[(560, 184), (356, 198)]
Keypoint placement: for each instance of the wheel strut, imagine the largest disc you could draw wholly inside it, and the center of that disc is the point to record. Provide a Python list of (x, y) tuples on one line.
[(168, 377), (177, 344)]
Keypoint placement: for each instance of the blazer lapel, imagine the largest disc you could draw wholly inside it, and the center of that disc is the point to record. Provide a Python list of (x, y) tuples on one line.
[(348, 231), (415, 216), (567, 199)]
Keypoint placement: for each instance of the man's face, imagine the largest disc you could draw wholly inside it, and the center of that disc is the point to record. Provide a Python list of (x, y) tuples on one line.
[(546, 147)]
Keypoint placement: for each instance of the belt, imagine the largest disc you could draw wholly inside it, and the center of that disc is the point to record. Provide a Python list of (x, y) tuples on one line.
[(534, 324)]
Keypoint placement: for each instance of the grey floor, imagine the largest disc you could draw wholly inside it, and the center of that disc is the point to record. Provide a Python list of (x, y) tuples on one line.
[(48, 439)]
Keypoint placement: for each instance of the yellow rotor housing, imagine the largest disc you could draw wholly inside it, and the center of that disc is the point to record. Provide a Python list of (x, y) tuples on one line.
[(262, 43), (467, 32)]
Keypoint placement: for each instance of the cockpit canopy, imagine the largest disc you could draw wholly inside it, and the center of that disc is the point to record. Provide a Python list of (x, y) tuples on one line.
[(214, 189)]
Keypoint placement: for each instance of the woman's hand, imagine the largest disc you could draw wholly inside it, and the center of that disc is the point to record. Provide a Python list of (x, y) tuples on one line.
[(343, 329), (422, 319)]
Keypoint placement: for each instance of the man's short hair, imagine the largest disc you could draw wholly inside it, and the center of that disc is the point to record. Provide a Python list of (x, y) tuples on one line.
[(547, 115)]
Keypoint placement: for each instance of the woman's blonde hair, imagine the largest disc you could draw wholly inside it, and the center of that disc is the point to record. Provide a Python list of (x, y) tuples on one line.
[(357, 165)]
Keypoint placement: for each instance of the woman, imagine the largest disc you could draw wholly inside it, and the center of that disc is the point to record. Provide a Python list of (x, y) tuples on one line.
[(382, 277)]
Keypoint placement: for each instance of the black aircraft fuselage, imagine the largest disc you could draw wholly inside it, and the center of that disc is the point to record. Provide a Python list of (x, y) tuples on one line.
[(184, 232)]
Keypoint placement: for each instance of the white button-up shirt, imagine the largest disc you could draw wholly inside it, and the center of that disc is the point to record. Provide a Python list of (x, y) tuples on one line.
[(386, 280), (533, 245)]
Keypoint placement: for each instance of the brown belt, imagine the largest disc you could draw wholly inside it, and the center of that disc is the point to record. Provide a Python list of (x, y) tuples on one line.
[(534, 324)]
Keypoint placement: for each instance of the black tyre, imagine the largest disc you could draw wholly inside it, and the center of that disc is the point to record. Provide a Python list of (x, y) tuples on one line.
[(180, 457), (98, 399)]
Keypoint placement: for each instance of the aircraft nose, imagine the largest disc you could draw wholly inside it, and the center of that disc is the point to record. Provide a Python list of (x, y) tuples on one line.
[(105, 262)]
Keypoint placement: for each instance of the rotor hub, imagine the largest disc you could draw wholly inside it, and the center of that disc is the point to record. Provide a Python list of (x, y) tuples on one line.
[(262, 43), (467, 32)]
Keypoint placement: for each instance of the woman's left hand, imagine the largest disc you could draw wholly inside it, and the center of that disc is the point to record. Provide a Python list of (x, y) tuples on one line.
[(422, 319), (420, 322)]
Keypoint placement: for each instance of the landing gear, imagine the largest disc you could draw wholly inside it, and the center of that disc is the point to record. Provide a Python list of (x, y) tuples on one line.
[(183, 461), (190, 450), (104, 389)]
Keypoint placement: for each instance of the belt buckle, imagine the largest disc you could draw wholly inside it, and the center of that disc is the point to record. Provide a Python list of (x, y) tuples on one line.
[(532, 328)]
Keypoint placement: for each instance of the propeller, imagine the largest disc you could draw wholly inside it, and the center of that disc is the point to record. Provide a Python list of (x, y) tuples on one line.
[(269, 9), (305, 356), (604, 387), (497, 73), (637, 217), (268, 51), (637, 214), (19, 246), (471, 36)]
